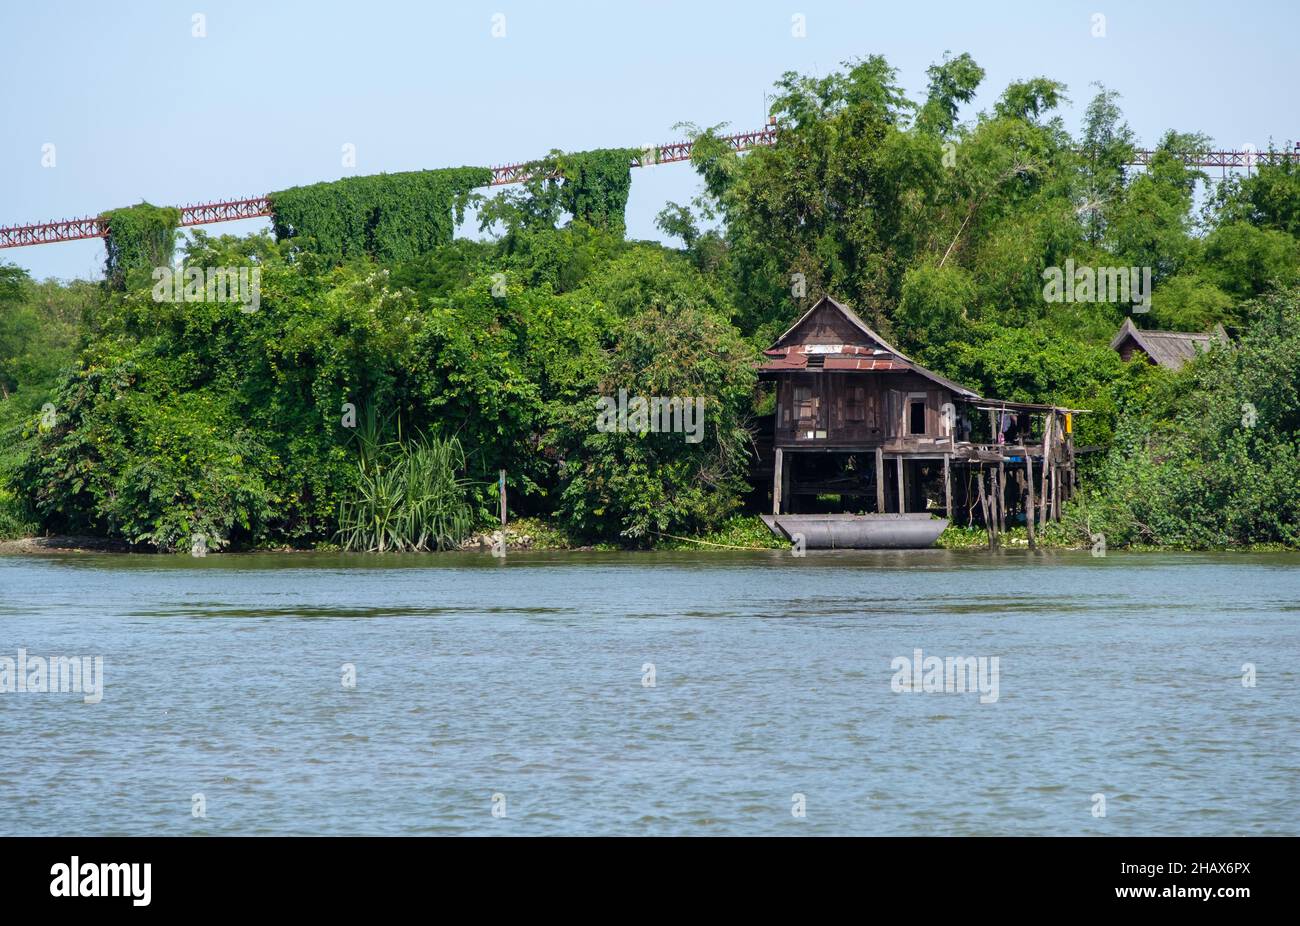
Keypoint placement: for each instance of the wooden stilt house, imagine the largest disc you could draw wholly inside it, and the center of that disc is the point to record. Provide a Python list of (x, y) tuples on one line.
[(858, 425)]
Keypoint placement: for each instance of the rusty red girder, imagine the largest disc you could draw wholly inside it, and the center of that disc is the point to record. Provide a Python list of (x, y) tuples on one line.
[(650, 155), (1231, 160), (16, 236), (226, 211)]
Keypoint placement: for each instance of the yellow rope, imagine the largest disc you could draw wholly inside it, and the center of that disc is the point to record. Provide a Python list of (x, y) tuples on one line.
[(725, 546)]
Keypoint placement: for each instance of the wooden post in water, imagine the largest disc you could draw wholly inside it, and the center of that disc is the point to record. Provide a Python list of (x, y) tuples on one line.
[(1029, 495), (502, 483)]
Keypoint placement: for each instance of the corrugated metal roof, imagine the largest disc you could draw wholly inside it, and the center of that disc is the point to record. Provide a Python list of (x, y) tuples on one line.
[(794, 357), (849, 357), (1170, 349), (852, 317)]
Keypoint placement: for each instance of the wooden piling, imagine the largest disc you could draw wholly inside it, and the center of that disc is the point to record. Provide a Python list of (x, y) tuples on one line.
[(947, 487), (984, 507), (1029, 495), (1047, 468), (995, 485), (880, 480), (1002, 498), (778, 467)]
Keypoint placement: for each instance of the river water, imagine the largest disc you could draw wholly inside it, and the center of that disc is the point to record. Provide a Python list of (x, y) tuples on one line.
[(656, 693)]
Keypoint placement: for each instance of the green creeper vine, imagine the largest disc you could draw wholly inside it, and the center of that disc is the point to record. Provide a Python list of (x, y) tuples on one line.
[(592, 186), (387, 216), (139, 237), (596, 185)]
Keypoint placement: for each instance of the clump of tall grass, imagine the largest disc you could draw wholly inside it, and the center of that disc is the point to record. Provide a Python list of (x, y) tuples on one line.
[(409, 494)]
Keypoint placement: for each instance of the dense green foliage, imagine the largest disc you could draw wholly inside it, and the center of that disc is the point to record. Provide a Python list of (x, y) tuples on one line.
[(179, 418), (187, 418), (39, 326), (386, 216), (1213, 459), (139, 238)]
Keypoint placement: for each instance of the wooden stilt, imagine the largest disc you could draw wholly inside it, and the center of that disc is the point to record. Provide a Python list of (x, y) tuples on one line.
[(1002, 498), (880, 480), (984, 508), (996, 484), (1051, 491), (779, 473), (1047, 468), (787, 497), (947, 486), (1072, 478), (902, 488), (1061, 470), (971, 497), (993, 508), (1029, 495)]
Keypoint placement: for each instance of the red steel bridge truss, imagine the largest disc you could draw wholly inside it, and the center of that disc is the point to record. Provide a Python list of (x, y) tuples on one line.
[(17, 236)]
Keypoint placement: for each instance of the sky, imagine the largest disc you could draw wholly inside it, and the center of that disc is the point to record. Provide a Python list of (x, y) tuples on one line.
[(138, 107)]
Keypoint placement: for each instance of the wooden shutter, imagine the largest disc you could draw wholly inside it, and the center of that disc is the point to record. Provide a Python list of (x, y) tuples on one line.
[(896, 425)]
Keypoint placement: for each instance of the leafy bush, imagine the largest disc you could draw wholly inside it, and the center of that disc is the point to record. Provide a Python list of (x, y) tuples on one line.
[(1216, 460), (408, 496), (635, 485), (122, 462)]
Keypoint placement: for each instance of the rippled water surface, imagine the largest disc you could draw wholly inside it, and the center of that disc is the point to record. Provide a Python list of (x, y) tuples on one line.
[(1119, 676)]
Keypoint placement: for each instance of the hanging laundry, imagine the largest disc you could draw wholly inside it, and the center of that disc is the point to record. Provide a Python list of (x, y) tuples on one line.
[(1004, 425)]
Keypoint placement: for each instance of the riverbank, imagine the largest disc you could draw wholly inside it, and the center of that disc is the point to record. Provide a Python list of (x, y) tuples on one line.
[(79, 544), (742, 532)]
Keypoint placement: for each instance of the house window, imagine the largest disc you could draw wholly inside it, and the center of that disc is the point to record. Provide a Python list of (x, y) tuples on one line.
[(856, 409), (916, 416), (805, 403)]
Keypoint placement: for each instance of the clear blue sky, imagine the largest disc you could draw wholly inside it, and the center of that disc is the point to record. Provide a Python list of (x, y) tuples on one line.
[(140, 109)]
